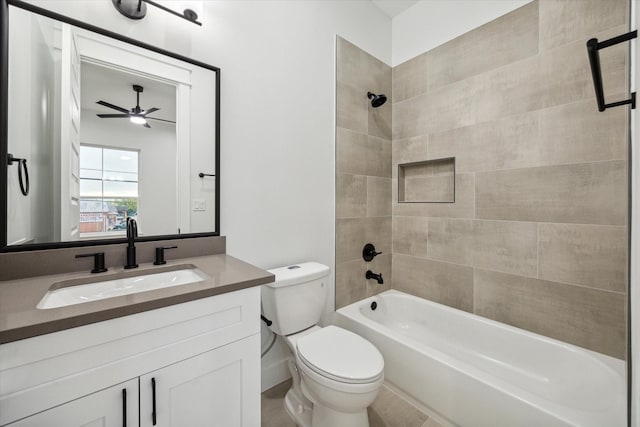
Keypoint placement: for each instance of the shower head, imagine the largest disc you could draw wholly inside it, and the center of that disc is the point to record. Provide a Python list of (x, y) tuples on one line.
[(376, 100)]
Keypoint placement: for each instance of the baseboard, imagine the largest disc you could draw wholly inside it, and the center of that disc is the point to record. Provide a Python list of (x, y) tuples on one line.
[(274, 374)]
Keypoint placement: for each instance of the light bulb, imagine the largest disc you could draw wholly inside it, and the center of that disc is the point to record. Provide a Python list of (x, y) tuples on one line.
[(138, 120)]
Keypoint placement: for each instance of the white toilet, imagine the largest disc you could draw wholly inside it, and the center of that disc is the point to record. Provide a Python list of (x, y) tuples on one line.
[(336, 373)]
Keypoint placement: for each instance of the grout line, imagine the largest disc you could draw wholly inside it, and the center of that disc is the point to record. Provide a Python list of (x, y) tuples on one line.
[(538, 250)]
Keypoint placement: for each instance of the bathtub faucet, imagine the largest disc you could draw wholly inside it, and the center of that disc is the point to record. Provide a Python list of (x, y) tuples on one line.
[(371, 275)]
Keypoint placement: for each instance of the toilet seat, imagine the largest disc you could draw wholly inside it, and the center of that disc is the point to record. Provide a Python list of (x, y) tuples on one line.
[(340, 355)]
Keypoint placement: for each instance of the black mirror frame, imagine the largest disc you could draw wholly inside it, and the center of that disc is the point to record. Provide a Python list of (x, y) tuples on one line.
[(4, 144)]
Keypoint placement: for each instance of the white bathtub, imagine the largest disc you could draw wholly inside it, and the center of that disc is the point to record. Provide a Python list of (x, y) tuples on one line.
[(474, 372)]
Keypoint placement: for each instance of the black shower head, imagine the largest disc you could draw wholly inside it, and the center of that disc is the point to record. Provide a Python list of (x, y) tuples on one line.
[(376, 100)]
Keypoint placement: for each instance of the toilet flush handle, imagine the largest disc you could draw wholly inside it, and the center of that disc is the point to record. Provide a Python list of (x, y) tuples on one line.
[(265, 320)]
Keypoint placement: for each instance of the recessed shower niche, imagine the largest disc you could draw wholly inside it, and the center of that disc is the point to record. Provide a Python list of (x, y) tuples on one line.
[(427, 181)]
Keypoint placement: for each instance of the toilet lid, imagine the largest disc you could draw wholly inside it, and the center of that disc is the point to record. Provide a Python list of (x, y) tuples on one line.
[(341, 355)]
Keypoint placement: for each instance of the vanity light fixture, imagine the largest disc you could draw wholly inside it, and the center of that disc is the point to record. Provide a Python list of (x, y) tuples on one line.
[(137, 9)]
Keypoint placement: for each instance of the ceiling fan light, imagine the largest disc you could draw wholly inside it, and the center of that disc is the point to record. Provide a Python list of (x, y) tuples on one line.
[(138, 120)]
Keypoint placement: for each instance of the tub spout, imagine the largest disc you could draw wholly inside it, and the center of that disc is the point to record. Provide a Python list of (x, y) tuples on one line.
[(371, 275)]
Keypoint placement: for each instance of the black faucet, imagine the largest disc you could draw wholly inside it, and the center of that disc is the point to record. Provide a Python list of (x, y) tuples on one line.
[(132, 233), (371, 275)]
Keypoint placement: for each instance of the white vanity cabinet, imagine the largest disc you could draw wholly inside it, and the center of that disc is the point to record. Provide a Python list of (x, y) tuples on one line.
[(198, 361), (211, 389), (105, 408)]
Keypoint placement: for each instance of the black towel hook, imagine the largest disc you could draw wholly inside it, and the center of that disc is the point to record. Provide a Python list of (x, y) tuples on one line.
[(593, 46), (22, 165)]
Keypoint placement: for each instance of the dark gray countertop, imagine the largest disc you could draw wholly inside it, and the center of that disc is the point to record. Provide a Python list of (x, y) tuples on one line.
[(20, 319)]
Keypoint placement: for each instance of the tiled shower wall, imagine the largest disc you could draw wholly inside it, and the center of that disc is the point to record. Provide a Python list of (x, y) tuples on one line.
[(537, 235), (363, 173)]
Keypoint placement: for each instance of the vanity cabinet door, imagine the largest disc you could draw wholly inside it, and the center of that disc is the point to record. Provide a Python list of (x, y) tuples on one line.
[(218, 388), (115, 406)]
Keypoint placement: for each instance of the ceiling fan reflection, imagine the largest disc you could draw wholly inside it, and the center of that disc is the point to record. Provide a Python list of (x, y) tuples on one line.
[(137, 115)]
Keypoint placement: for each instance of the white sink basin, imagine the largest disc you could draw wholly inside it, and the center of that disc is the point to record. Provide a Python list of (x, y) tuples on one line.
[(80, 293)]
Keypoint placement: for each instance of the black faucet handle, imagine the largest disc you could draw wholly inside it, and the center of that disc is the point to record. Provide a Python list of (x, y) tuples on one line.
[(160, 254), (369, 252), (98, 261)]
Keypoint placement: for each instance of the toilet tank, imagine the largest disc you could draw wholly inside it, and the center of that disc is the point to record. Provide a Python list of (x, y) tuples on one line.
[(295, 300)]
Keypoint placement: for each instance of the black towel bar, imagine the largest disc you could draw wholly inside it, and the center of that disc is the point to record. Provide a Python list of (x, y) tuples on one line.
[(593, 47)]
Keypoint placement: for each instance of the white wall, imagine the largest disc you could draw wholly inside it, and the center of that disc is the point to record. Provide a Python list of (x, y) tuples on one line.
[(277, 113), (430, 23), (157, 166)]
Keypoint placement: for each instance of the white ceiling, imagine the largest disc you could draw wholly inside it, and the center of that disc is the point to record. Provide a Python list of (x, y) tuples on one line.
[(116, 87), (394, 7)]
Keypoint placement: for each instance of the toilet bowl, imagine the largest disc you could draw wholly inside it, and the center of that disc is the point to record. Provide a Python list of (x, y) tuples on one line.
[(342, 374), (336, 373)]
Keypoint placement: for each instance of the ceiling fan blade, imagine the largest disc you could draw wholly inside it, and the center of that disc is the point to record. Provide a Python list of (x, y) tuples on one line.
[(113, 116), (115, 107), (160, 120), (149, 111), (147, 125)]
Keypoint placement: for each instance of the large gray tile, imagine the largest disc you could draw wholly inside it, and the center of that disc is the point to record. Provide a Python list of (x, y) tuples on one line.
[(380, 119), (359, 154), (272, 402), (462, 208), (578, 132), (408, 150), (410, 78), (442, 282), (590, 255), (497, 245), (378, 196), (566, 21), (587, 317), (590, 193), (351, 195), (361, 70), (504, 40), (447, 107), (352, 108), (410, 235), (508, 143), (390, 410), (552, 78), (353, 233), (351, 284)]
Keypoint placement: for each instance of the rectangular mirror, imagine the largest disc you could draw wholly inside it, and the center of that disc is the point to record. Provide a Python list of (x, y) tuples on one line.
[(101, 128)]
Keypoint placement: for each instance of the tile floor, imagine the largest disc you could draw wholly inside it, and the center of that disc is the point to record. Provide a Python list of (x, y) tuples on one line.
[(388, 410)]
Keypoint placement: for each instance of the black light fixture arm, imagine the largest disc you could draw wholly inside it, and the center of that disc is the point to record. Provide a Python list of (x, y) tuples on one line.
[(137, 9), (188, 15), (593, 47)]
